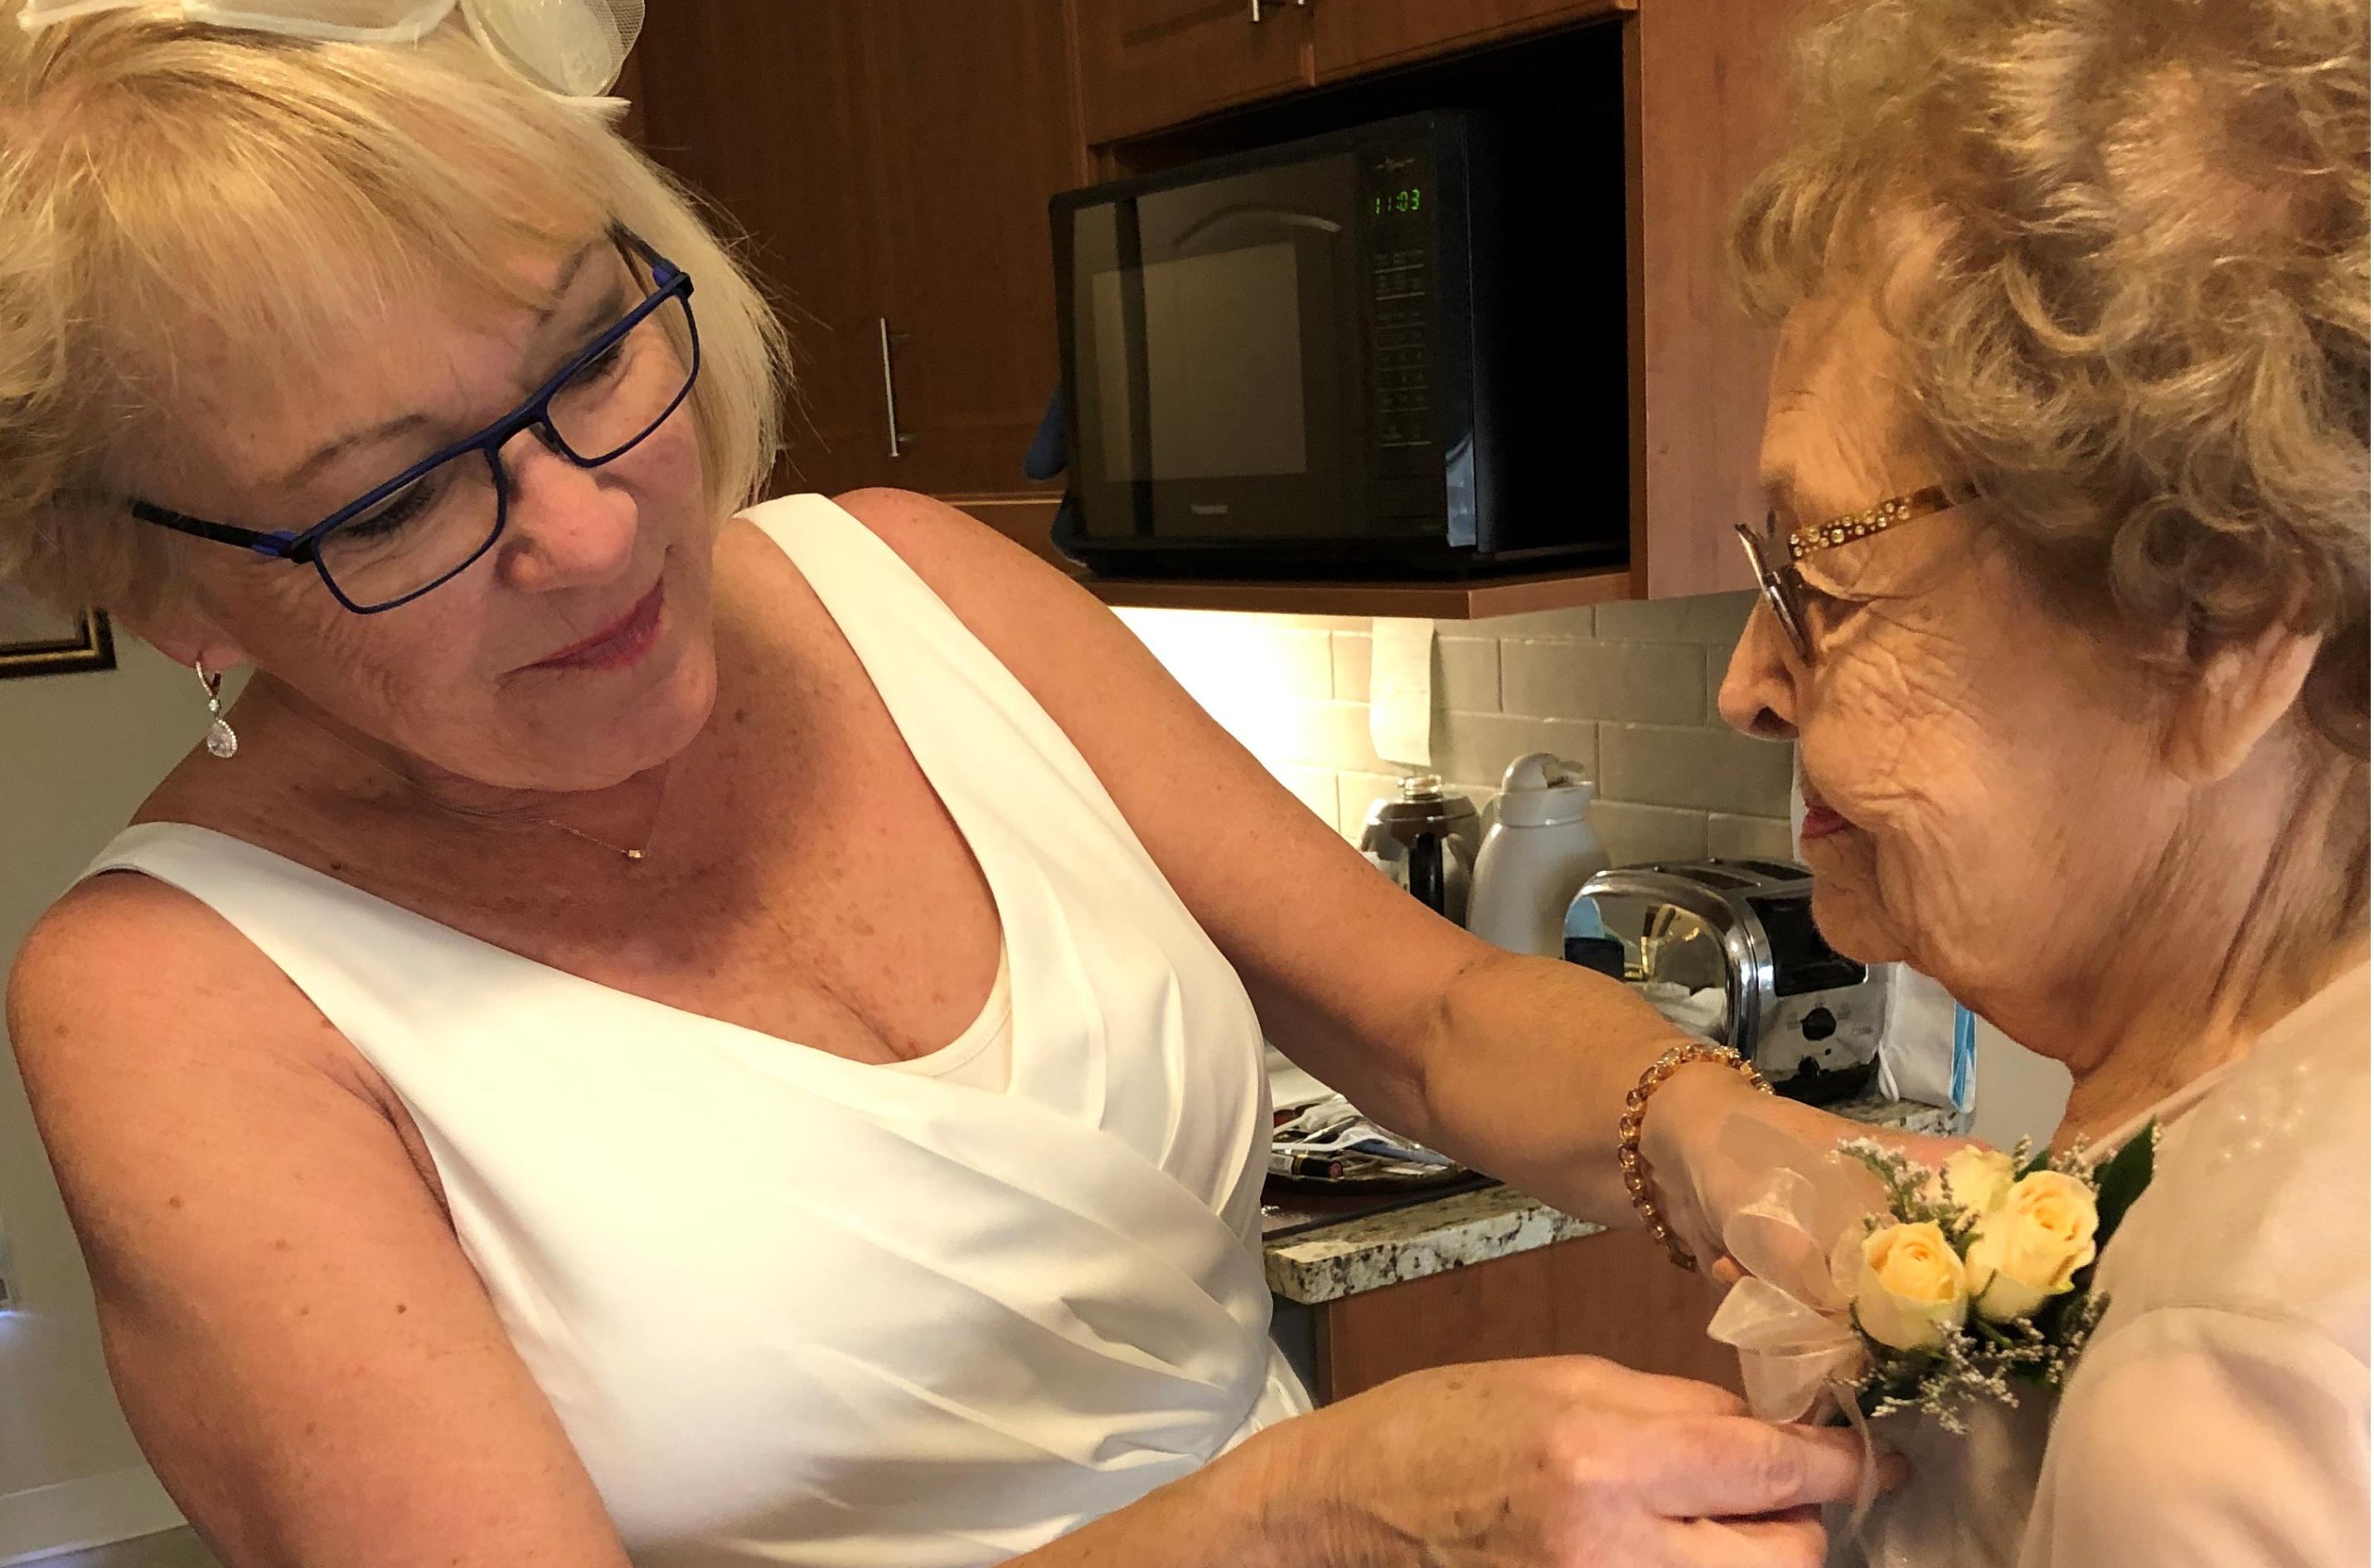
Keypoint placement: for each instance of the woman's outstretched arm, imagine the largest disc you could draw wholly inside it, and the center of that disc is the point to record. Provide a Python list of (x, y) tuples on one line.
[(1515, 1065), (315, 1373)]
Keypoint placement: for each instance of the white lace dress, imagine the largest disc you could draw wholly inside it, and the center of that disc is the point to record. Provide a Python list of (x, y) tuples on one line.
[(2219, 1419)]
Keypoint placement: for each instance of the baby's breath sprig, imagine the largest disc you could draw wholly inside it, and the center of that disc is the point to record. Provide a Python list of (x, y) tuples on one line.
[(1915, 1192)]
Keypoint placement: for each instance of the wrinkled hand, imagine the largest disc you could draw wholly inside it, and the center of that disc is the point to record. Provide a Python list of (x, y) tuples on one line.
[(1701, 1183), (1566, 1462)]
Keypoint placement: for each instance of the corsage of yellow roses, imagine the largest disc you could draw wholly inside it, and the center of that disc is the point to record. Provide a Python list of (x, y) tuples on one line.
[(2028, 1237), (1976, 1277)]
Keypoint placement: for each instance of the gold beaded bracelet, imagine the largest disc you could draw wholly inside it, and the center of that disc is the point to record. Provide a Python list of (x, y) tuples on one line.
[(1627, 1135)]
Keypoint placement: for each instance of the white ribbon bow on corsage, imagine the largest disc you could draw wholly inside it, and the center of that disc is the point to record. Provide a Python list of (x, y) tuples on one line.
[(1797, 1240), (1792, 1317), (572, 49)]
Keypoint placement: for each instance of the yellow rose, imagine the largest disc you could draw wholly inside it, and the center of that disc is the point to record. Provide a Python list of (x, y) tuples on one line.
[(1909, 1288), (2028, 1249), (1978, 1179)]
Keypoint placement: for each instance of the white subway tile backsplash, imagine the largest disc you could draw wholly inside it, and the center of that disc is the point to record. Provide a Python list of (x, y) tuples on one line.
[(1466, 670), (1712, 620), (1708, 770), (1228, 661), (1572, 626), (1351, 651), (1481, 746), (1635, 833), (1468, 674), (1626, 690), (1314, 787), (1321, 734), (1646, 683), (1308, 658), (1749, 838), (1718, 664)]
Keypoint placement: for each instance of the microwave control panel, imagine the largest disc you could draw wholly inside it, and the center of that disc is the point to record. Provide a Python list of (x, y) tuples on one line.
[(1404, 432)]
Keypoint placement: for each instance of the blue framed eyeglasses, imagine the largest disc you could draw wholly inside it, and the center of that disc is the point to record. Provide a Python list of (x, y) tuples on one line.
[(430, 522)]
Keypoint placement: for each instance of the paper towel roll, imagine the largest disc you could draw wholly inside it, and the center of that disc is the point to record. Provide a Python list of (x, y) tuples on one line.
[(1401, 690)]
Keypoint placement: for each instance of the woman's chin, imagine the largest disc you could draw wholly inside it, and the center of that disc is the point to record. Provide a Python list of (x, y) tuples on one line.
[(1847, 910), (671, 718), (613, 741)]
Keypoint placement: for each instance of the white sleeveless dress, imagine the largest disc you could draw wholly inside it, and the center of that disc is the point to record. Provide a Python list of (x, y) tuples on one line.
[(797, 1309)]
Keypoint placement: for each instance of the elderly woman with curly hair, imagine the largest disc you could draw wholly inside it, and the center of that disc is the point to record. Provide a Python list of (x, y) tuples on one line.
[(658, 1032), (2066, 609)]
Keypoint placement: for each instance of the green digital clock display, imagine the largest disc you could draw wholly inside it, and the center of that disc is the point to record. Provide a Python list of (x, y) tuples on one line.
[(1399, 201)]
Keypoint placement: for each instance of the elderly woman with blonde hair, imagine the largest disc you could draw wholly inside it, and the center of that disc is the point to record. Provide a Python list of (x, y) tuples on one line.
[(2066, 582)]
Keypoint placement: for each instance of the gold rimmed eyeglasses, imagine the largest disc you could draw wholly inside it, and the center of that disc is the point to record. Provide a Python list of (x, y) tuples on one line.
[(1784, 588)]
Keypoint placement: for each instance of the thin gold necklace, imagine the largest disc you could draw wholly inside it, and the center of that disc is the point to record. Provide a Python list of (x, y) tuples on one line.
[(659, 810), (601, 843)]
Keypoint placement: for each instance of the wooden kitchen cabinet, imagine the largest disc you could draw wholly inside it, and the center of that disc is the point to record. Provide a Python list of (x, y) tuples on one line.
[(891, 161), (974, 130), (1613, 1295), (1349, 37), (762, 108), (1701, 86), (1148, 63)]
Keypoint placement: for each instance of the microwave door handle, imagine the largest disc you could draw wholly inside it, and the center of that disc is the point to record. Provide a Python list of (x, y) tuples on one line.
[(1222, 223)]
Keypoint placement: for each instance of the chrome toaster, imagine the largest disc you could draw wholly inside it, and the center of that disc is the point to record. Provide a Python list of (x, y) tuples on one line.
[(1728, 949)]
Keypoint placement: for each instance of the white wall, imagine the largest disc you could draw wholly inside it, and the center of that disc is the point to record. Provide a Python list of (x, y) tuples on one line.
[(1626, 690), (2021, 1095), (78, 754)]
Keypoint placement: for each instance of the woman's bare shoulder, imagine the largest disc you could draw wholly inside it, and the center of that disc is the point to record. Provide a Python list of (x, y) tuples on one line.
[(1029, 613), (259, 1220), (127, 980)]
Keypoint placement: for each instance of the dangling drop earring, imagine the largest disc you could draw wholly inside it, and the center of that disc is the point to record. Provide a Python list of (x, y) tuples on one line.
[(221, 739)]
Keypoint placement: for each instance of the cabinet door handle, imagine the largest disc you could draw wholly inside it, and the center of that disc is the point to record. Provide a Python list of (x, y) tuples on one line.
[(900, 439), (1256, 5)]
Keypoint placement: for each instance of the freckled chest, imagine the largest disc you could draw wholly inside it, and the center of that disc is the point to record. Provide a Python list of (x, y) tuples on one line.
[(803, 879)]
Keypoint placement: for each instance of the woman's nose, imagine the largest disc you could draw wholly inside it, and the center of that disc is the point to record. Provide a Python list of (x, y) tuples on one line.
[(1759, 690), (564, 526)]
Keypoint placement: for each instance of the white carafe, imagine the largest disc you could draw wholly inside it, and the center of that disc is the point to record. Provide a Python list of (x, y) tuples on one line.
[(1539, 851)]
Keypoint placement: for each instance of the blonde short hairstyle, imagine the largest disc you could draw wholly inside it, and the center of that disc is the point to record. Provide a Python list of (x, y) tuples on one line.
[(2143, 331), (161, 179)]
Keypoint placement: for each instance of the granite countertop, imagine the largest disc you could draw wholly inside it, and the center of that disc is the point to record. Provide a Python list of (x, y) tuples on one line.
[(1328, 1262)]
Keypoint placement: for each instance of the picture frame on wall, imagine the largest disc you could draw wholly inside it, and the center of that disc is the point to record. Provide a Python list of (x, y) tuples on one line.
[(37, 640)]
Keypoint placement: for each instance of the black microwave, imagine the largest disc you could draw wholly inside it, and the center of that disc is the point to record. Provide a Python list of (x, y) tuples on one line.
[(1396, 350)]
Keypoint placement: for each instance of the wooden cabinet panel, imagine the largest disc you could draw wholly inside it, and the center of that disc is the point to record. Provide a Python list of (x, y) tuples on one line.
[(892, 160), (1148, 63), (1612, 1294), (978, 126), (761, 107), (1704, 85), (1352, 36)]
